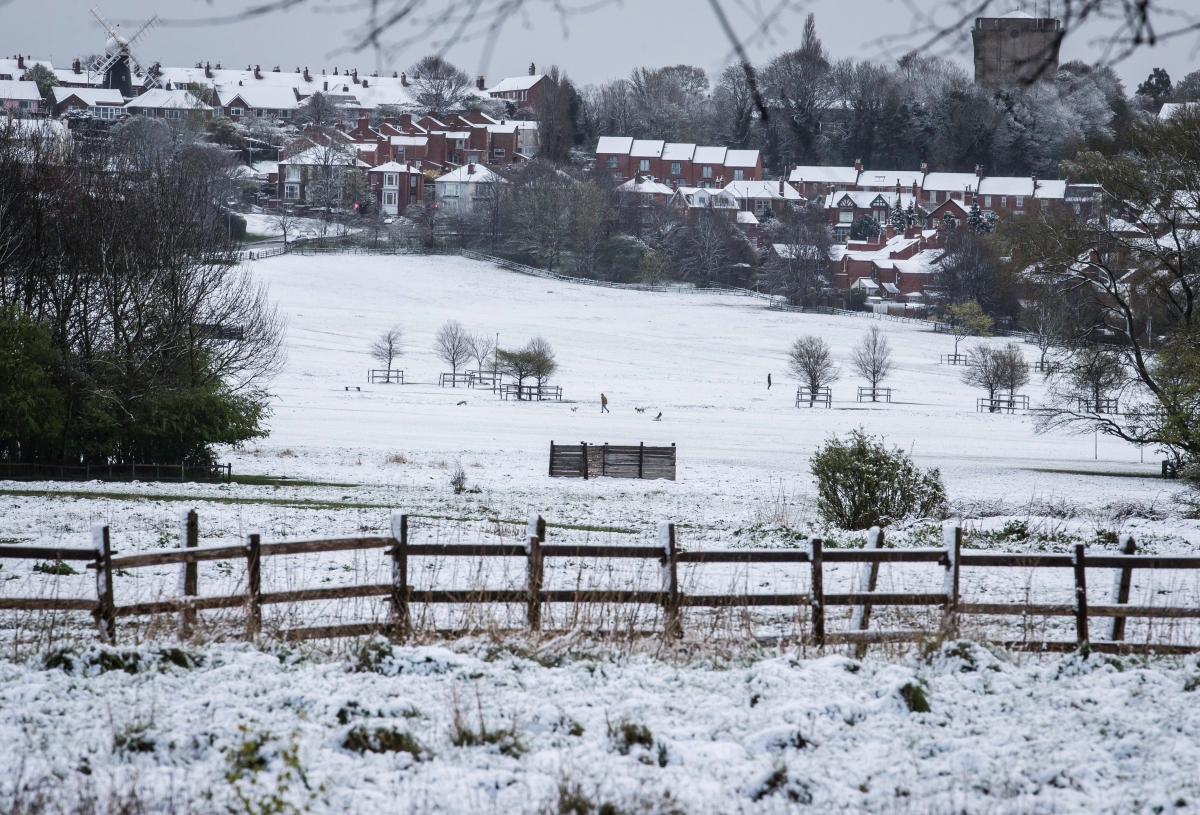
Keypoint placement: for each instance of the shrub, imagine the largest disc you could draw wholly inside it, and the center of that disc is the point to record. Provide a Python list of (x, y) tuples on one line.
[(363, 739), (860, 484)]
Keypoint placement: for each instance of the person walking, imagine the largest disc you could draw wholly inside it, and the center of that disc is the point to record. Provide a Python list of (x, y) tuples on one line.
[(768, 381), (603, 403)]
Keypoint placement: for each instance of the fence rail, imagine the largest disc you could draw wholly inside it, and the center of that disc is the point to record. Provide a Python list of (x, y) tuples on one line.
[(16, 471), (391, 376), (535, 552), (807, 396)]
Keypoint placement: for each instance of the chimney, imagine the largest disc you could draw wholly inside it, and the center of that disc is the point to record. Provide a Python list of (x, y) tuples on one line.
[(335, 73), (1035, 185), (307, 78), (363, 122), (208, 70), (75, 66), (275, 70), (781, 185), (979, 171), (404, 79), (405, 121), (218, 66), (914, 190), (364, 83), (21, 64), (355, 75), (891, 232), (471, 168), (480, 84), (257, 72), (325, 85), (924, 168), (637, 178), (532, 69), (858, 165), (395, 75), (389, 120), (345, 89)]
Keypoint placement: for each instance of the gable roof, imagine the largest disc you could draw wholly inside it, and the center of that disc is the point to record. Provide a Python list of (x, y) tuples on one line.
[(390, 167), (160, 99), (516, 83), (678, 152), (19, 90), (824, 175), (950, 182), (265, 97), (91, 97), (709, 155), (481, 175), (614, 144), (647, 148), (741, 158), (762, 189)]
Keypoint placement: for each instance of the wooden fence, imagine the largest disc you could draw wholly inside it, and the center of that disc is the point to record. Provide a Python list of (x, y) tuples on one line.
[(585, 460), (401, 596), (16, 471)]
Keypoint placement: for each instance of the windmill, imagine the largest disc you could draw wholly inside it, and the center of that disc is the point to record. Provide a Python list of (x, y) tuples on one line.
[(119, 62)]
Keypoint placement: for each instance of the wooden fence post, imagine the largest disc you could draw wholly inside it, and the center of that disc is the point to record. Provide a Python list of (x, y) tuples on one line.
[(1121, 581), (535, 535), (401, 619), (585, 460), (106, 621), (189, 578), (641, 456), (1081, 610), (952, 536), (817, 597), (672, 625), (253, 586), (867, 581)]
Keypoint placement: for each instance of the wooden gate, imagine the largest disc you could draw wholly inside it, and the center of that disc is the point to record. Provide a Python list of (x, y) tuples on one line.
[(585, 460)]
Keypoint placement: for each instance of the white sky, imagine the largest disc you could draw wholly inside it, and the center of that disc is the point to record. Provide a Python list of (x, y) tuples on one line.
[(601, 45)]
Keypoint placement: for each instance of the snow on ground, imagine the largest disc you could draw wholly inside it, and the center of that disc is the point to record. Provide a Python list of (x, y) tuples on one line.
[(962, 731), (1046, 734)]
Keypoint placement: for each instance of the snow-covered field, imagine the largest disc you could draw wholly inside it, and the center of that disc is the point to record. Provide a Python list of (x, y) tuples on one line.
[(1048, 734)]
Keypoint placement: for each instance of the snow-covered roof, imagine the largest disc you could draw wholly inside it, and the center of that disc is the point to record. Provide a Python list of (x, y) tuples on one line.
[(11, 67), (923, 262), (1172, 109), (478, 174), (647, 148), (709, 155), (677, 151), (67, 76), (265, 168), (1017, 14), (1051, 189), (160, 99), (516, 83), (265, 97), (824, 175), (762, 189), (646, 186), (90, 96), (1006, 185), (19, 90), (879, 179), (324, 156), (748, 218), (390, 167), (410, 141), (741, 158), (950, 182)]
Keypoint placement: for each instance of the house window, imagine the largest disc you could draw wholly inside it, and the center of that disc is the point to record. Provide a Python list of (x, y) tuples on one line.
[(292, 173), (291, 191), (1003, 201), (1020, 201), (706, 172), (987, 201), (739, 175), (26, 104), (285, 114), (612, 162), (172, 113), (450, 190), (760, 206), (498, 152), (390, 179), (389, 199), (617, 175), (675, 170), (236, 111), (258, 113), (846, 216), (933, 196), (644, 165)]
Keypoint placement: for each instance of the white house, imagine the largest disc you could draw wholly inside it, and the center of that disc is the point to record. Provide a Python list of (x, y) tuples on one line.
[(458, 190)]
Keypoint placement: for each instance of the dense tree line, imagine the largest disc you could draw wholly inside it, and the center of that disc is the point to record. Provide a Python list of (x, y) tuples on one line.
[(129, 331)]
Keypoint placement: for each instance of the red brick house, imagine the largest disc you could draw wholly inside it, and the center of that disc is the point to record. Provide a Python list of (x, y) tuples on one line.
[(394, 186)]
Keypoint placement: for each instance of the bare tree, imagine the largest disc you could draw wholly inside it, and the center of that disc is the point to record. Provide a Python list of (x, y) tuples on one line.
[(995, 370), (799, 266), (533, 361), (811, 361), (483, 348), (872, 358), (544, 364), (285, 221), (385, 349), (438, 85), (452, 344), (1015, 368)]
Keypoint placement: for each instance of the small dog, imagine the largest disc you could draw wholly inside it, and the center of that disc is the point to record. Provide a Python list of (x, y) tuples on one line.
[(574, 409), (658, 418), (640, 410), (463, 402)]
